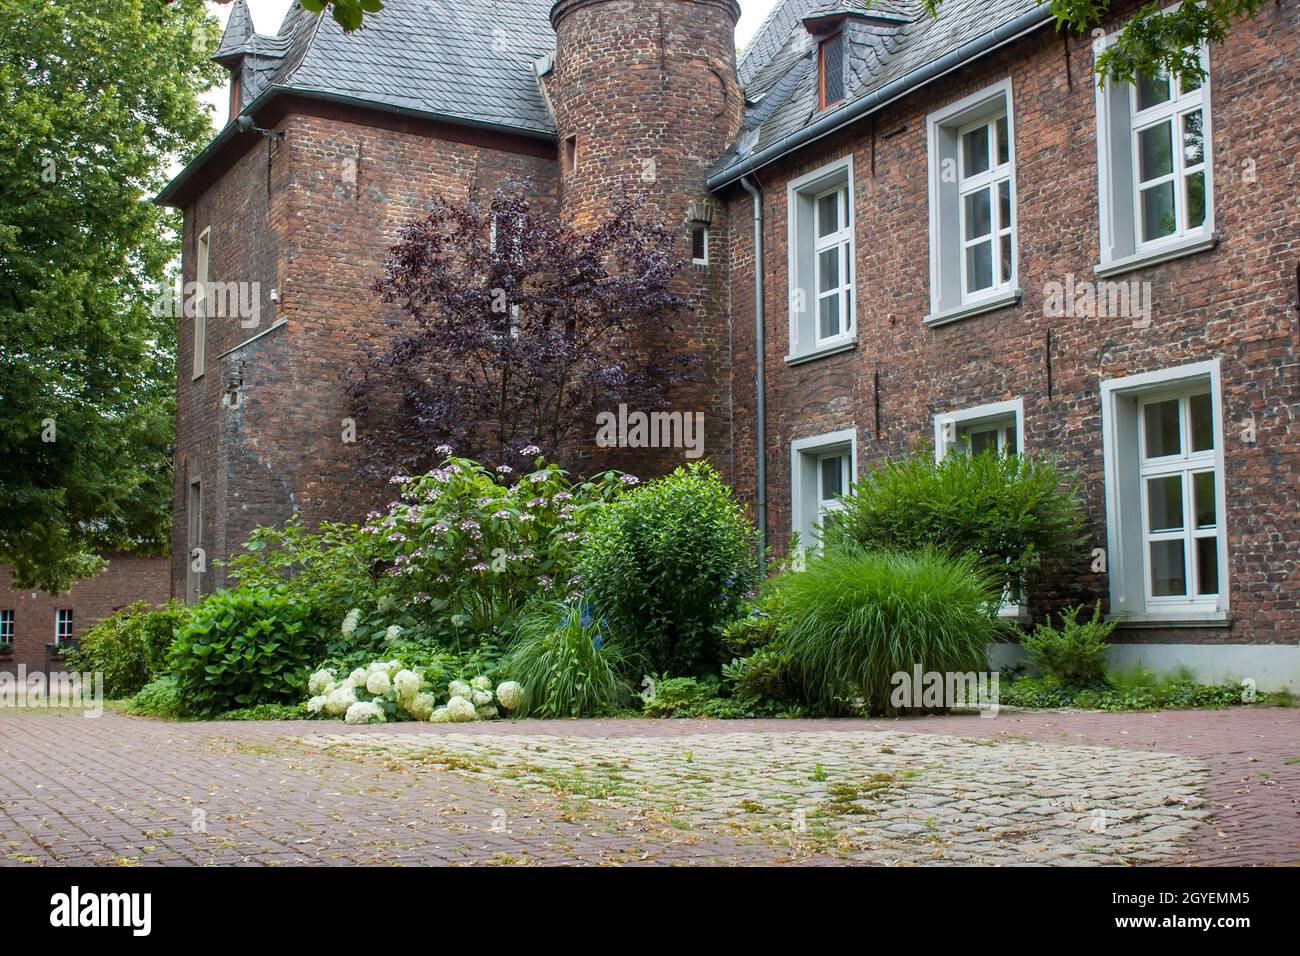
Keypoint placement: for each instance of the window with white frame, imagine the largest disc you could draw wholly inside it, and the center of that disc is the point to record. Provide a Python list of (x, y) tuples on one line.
[(201, 302), (63, 624), (821, 260), (996, 426), (1154, 166), (1165, 494), (6, 625), (972, 205), (700, 245), (822, 469)]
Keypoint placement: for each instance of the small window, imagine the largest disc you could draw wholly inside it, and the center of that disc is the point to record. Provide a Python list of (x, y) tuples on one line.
[(63, 624), (194, 557), (700, 245), (201, 302), (6, 626), (822, 470), (972, 205), (1154, 166), (822, 301), (831, 67), (570, 155)]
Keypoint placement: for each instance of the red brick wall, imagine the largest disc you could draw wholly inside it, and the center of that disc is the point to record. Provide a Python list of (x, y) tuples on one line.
[(650, 91), (1235, 303), (342, 185), (127, 579)]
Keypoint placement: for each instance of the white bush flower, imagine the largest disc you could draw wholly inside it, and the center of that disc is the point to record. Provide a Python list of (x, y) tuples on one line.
[(379, 683), (510, 694), (321, 682), (460, 710), (316, 704), (407, 684), (440, 715), (458, 688), (364, 713), (339, 700), (358, 677), (482, 698), (422, 706), (350, 622), (481, 683), (486, 712), (393, 667), (393, 633)]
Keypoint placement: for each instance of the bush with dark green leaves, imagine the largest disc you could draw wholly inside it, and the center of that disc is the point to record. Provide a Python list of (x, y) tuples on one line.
[(1074, 653), (244, 647), (1017, 512), (159, 698), (670, 565), (855, 618), (130, 647)]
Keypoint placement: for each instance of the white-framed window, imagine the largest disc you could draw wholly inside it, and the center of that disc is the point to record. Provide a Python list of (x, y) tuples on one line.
[(821, 254), (700, 245), (973, 245), (6, 625), (822, 470), (998, 426), (1154, 167), (1163, 445), (201, 302), (63, 624)]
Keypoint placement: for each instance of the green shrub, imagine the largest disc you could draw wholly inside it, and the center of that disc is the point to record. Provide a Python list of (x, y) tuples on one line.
[(243, 647), (129, 648), (1014, 511), (853, 619), (566, 664), (1076, 653), (693, 698), (1136, 689), (159, 698), (671, 564)]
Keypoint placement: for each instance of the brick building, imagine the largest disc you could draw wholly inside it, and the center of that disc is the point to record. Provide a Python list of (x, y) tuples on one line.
[(32, 620), (907, 230)]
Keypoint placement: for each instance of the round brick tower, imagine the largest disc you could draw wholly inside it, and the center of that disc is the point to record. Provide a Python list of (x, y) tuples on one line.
[(646, 100)]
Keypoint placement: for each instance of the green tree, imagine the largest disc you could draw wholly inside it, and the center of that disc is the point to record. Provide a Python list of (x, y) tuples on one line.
[(97, 99), (1153, 40)]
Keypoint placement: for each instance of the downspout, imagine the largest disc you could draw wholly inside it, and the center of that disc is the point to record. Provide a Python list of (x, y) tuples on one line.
[(760, 356)]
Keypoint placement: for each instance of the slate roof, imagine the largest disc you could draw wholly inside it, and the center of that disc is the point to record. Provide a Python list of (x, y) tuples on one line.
[(778, 70)]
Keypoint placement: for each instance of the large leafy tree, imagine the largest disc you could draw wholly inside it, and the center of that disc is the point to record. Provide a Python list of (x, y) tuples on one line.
[(521, 330), (97, 98)]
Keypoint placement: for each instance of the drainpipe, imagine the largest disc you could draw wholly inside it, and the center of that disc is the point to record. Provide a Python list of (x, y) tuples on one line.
[(760, 356)]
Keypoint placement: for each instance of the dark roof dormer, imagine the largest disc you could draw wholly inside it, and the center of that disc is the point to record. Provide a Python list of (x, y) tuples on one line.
[(251, 58)]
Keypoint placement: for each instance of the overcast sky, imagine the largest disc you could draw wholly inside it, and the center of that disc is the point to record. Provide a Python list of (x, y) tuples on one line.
[(267, 15)]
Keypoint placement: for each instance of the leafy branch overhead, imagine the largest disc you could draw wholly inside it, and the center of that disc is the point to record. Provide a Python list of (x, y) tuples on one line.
[(1154, 40)]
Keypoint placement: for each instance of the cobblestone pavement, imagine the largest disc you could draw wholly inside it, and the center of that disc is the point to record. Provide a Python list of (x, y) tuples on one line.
[(1057, 788)]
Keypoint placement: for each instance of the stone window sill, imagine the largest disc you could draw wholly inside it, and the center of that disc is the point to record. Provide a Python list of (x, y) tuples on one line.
[(1186, 247), (822, 352), (1175, 620), (1001, 301)]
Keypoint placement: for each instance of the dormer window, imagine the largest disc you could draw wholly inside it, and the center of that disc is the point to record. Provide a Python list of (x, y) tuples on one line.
[(234, 95), (830, 60)]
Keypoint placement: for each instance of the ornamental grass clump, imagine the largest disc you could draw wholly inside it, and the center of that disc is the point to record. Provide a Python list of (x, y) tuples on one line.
[(854, 619), (566, 664)]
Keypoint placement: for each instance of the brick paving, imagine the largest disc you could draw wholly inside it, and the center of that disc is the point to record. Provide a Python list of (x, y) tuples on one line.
[(1202, 787)]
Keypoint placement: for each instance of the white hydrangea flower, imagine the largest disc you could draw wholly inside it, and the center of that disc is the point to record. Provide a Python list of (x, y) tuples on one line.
[(393, 667), (358, 677), (340, 699), (407, 684), (316, 704), (458, 688), (379, 683), (385, 604), (320, 683), (486, 712), (350, 621), (393, 633), (460, 710), (510, 694), (440, 715), (481, 683), (422, 706), (363, 712), (482, 698)]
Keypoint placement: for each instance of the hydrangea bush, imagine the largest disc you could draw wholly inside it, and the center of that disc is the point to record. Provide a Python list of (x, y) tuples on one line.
[(390, 691)]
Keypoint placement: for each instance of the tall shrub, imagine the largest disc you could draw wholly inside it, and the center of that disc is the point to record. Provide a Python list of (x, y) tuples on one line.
[(1016, 512), (130, 647), (855, 618), (671, 564)]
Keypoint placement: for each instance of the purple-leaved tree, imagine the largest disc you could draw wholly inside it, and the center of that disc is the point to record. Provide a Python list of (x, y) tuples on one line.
[(520, 330)]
